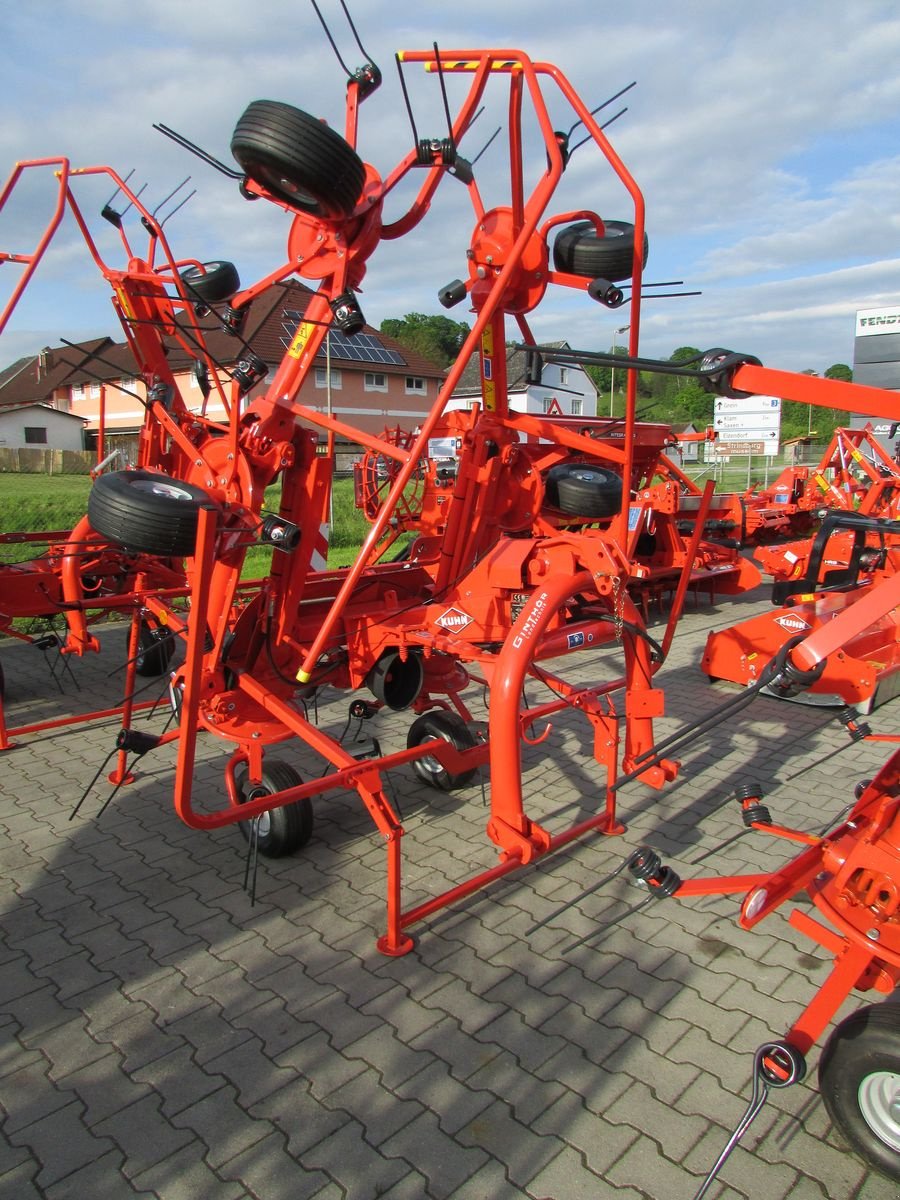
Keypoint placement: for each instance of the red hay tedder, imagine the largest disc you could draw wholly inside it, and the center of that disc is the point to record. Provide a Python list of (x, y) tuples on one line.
[(532, 541), (854, 492)]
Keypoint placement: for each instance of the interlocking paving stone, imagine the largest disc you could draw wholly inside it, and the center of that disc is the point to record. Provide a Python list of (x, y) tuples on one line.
[(61, 1142), (160, 1036)]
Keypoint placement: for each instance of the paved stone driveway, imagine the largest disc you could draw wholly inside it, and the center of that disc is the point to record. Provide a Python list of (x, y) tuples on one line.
[(163, 1037)]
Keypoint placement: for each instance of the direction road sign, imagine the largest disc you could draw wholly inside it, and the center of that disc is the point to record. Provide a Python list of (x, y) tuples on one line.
[(748, 404), (741, 448)]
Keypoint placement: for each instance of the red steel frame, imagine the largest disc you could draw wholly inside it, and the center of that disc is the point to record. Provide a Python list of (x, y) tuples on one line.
[(302, 618), (852, 874)]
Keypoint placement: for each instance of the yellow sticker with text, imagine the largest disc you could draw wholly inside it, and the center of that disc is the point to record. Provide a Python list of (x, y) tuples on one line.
[(301, 337)]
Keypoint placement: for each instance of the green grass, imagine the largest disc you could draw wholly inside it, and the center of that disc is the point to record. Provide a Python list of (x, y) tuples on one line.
[(37, 502), (32, 503)]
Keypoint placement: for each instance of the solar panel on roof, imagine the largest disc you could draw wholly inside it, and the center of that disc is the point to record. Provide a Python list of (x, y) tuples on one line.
[(361, 347)]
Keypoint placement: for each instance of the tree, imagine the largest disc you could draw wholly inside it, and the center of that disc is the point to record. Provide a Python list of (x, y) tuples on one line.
[(839, 371), (436, 338), (602, 376)]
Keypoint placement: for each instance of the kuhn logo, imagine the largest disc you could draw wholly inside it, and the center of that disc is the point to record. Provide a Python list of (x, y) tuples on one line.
[(454, 619), (795, 623)]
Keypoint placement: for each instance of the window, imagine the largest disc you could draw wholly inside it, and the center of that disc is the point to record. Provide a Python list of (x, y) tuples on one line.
[(376, 381), (322, 378), (77, 392), (129, 384), (564, 378), (94, 391), (35, 435), (415, 385), (577, 406), (546, 401)]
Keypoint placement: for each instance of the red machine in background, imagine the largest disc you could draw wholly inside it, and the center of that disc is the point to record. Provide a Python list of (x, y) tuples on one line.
[(855, 492), (854, 474)]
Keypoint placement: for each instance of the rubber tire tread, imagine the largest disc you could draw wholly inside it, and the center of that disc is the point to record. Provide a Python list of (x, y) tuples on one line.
[(291, 826), (578, 251), (220, 282), (452, 728), (866, 1041), (277, 139), (567, 490), (143, 521), (155, 650)]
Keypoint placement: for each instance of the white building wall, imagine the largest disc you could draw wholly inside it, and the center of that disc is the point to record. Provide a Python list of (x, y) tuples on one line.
[(63, 432)]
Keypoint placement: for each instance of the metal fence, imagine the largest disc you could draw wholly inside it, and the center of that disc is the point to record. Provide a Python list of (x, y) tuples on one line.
[(737, 473), (32, 461)]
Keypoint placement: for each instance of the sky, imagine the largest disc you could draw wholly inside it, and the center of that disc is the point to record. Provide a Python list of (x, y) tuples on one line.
[(765, 140)]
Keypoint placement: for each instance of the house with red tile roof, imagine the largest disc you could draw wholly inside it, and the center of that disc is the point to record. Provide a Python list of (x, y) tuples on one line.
[(369, 379)]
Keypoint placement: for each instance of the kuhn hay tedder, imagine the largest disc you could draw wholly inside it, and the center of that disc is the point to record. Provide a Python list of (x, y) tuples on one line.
[(529, 541)]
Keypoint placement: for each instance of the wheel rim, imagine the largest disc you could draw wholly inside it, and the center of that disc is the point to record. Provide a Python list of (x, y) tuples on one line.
[(264, 820), (879, 1104), (429, 764), (287, 187), (162, 488)]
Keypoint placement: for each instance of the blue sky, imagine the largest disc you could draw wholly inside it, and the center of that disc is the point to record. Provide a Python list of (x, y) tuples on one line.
[(765, 139)]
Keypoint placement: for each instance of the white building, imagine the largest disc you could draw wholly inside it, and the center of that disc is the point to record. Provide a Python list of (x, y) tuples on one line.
[(40, 427), (565, 390)]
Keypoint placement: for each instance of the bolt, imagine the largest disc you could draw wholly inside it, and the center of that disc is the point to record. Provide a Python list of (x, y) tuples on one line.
[(873, 934)]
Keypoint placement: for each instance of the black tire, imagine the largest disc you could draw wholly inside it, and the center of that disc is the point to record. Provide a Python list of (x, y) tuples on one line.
[(297, 159), (584, 490), (859, 1078), (451, 728), (282, 830), (147, 512), (217, 282), (155, 649), (578, 251)]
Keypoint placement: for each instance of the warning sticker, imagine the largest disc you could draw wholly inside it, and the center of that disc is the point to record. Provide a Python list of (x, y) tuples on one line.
[(301, 337)]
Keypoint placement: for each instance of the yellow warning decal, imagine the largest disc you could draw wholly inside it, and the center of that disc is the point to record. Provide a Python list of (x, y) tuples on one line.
[(822, 482), (472, 64), (488, 387), (854, 453), (125, 304), (301, 337)]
